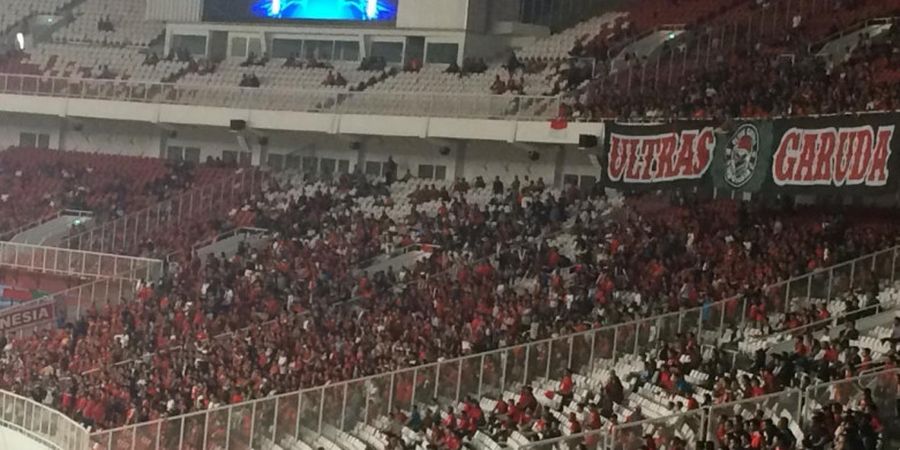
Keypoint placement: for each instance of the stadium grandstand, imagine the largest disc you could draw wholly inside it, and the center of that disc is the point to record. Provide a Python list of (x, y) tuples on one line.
[(448, 225)]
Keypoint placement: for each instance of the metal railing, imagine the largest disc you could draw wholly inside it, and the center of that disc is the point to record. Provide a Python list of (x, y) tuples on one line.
[(341, 405), (71, 304), (64, 212), (244, 232), (700, 425), (485, 106), (45, 425), (126, 233), (80, 263)]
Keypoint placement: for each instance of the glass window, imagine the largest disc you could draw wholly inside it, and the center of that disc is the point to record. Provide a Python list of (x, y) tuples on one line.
[(440, 172), (426, 171), (229, 156), (43, 141), (192, 154), (195, 45), (255, 46), (344, 166), (27, 140), (441, 53), (282, 48), (174, 153), (310, 164), (292, 162), (239, 47), (328, 166), (373, 168), (319, 49), (276, 161), (392, 52), (346, 50)]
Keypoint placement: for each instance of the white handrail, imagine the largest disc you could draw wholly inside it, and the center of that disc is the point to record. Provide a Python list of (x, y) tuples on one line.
[(429, 104), (76, 262), (41, 423)]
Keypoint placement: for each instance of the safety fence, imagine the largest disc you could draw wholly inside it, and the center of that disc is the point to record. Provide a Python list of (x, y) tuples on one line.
[(342, 405), (77, 263), (696, 428), (45, 425), (125, 234), (66, 306), (423, 104)]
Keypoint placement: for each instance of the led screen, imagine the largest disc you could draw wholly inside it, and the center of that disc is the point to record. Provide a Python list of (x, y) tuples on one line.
[(336, 10)]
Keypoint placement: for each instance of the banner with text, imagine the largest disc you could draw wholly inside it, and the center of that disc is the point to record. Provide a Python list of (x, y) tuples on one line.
[(842, 153), (678, 153), (39, 313)]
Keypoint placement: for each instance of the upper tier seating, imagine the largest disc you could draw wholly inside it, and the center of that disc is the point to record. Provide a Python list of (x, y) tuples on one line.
[(128, 27), (14, 11), (84, 61), (37, 182)]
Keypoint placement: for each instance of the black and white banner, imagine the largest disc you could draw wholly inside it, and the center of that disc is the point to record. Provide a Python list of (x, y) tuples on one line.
[(854, 153)]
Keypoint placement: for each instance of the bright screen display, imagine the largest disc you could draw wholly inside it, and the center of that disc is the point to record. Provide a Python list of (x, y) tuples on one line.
[(333, 10)]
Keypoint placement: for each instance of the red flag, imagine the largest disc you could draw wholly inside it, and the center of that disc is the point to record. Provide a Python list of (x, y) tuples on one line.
[(559, 123)]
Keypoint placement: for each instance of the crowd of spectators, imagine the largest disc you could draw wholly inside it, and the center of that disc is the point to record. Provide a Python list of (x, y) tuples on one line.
[(493, 280), (682, 378), (35, 183), (762, 76)]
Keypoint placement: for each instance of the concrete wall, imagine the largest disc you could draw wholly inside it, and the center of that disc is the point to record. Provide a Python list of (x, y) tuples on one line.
[(450, 144)]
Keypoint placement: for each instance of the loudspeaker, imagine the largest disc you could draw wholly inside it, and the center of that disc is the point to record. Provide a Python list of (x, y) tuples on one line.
[(444, 151), (355, 145), (586, 141), (263, 140), (238, 125), (534, 156)]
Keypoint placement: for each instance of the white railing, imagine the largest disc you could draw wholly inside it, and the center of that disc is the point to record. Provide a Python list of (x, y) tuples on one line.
[(243, 232), (71, 304), (485, 106), (80, 263), (125, 234), (45, 425), (342, 405), (700, 425)]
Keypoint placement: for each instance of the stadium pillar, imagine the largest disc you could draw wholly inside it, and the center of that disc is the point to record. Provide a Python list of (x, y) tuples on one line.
[(559, 165), (459, 164), (63, 130)]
